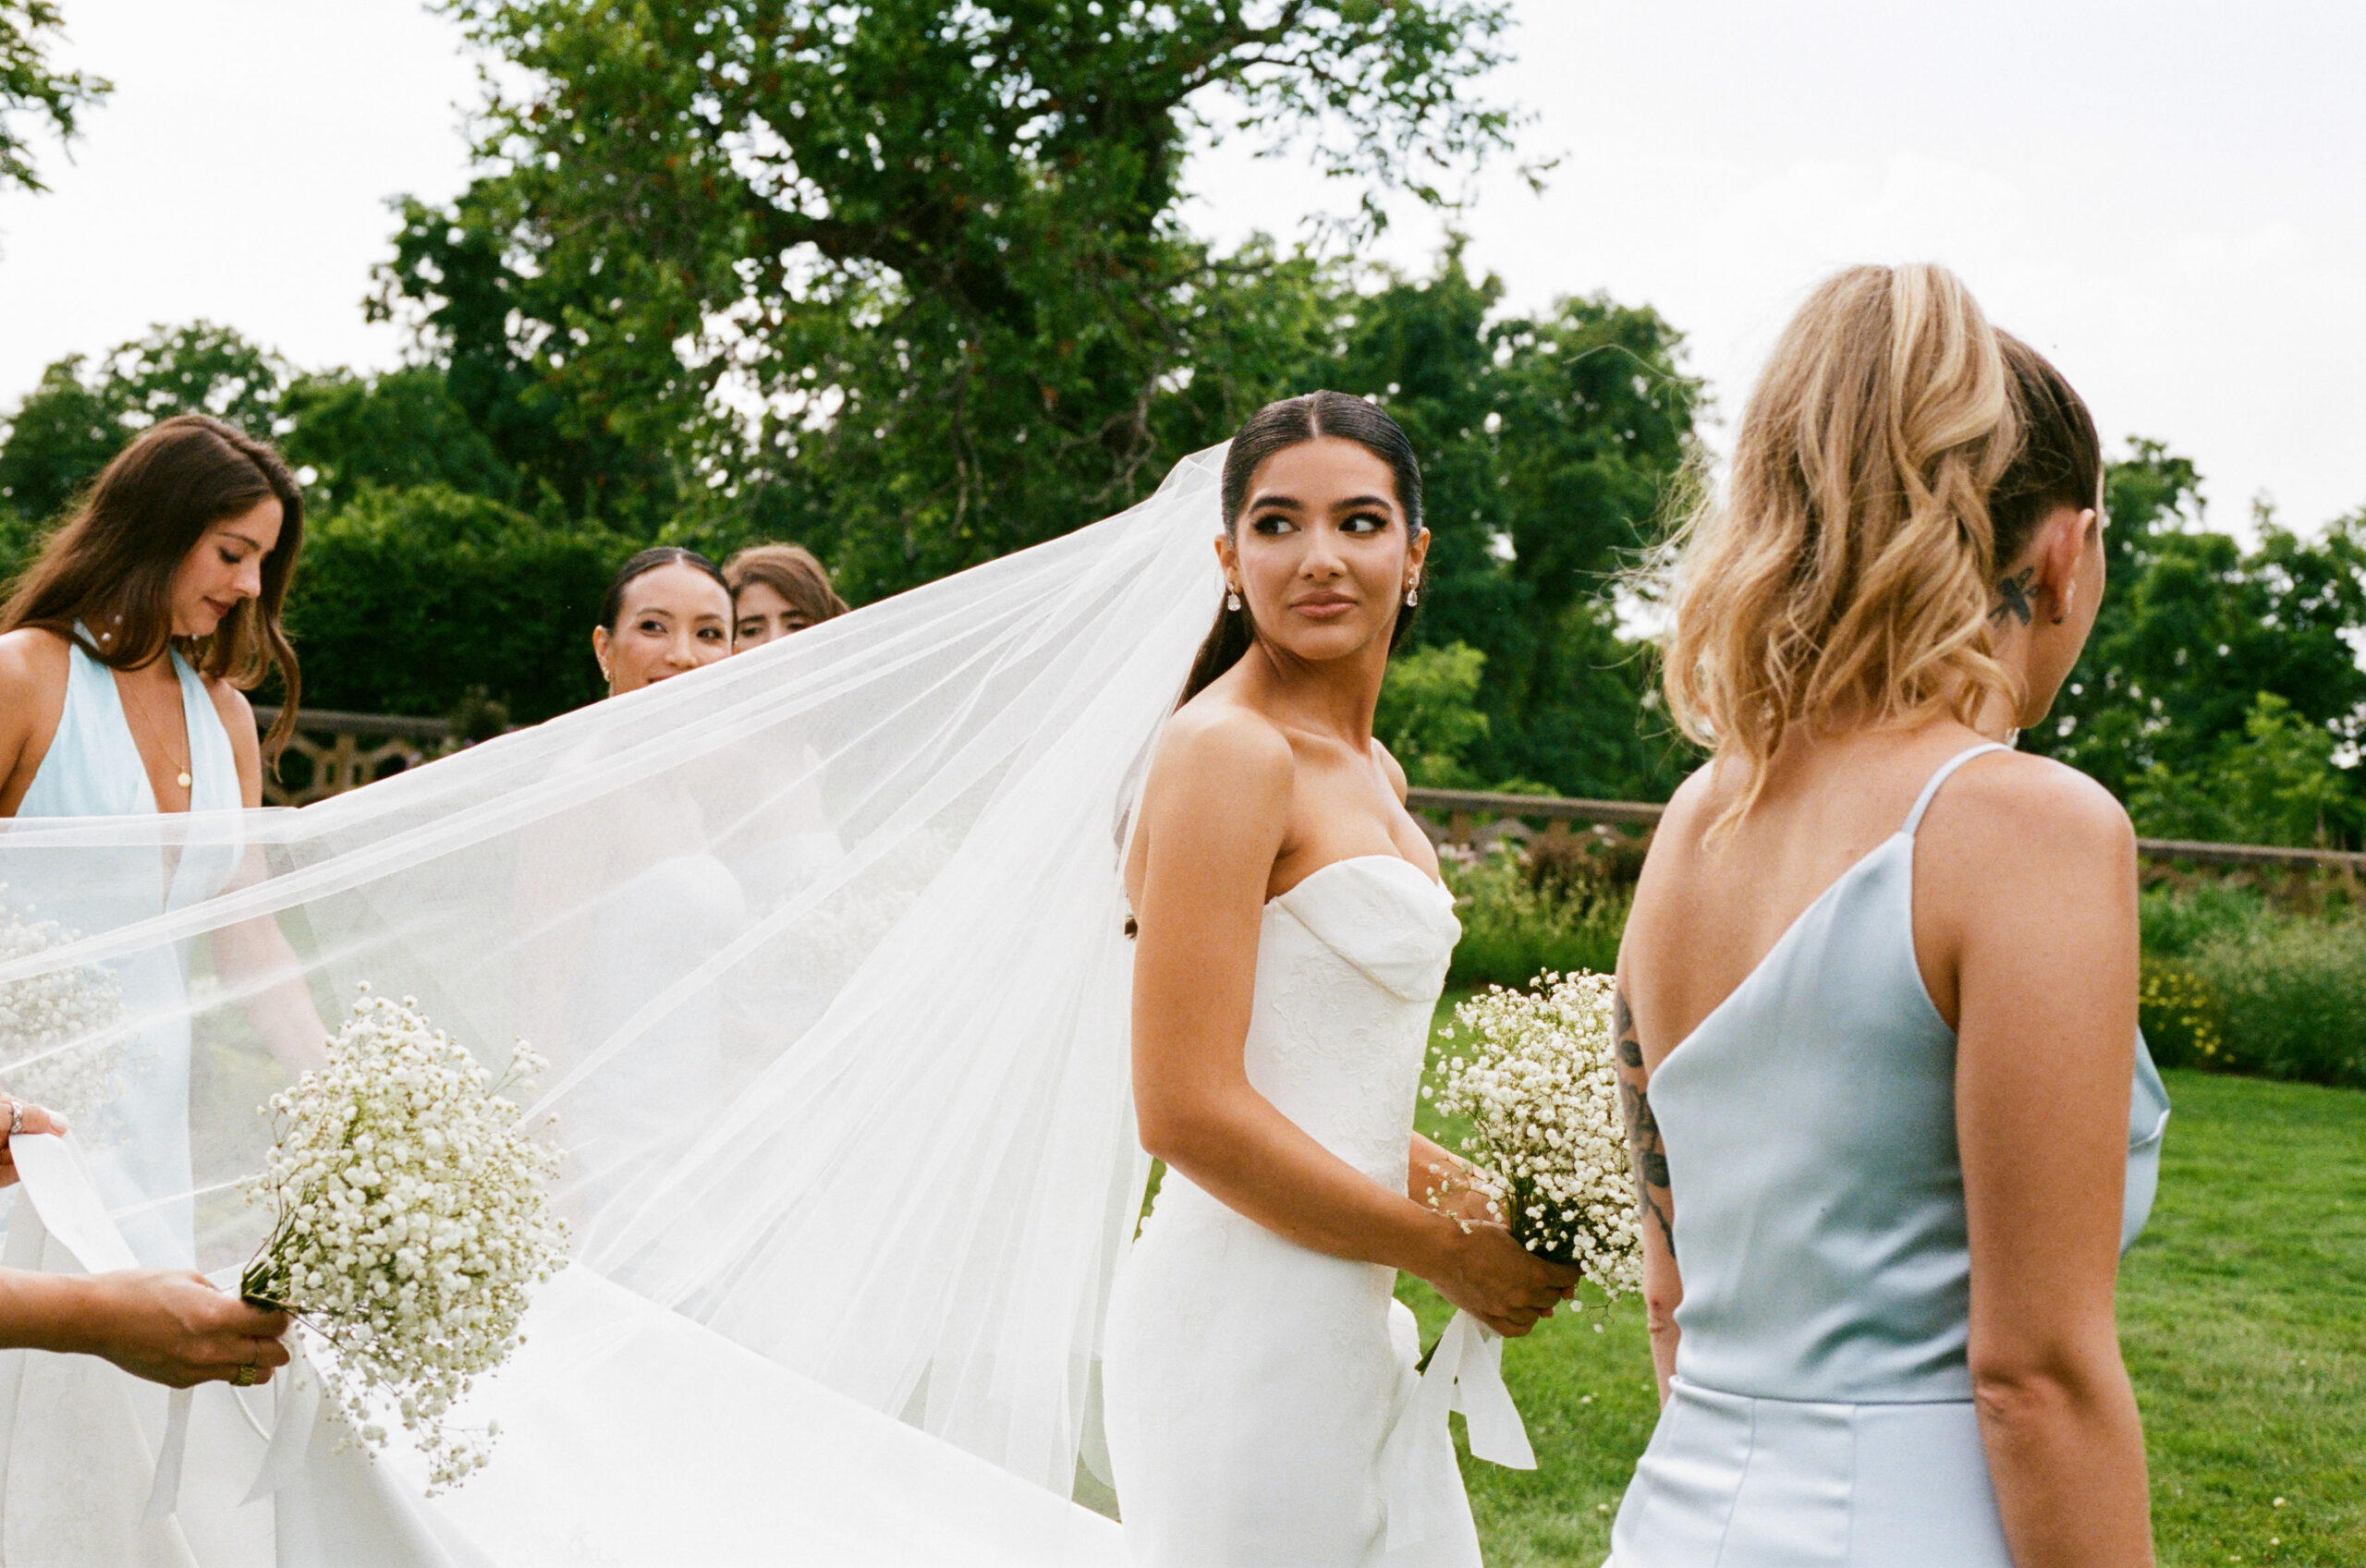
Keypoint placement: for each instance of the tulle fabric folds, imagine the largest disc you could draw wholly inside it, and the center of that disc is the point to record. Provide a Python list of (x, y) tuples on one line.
[(823, 942)]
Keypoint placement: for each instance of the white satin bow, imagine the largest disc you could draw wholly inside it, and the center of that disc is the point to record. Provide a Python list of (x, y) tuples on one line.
[(1466, 1373)]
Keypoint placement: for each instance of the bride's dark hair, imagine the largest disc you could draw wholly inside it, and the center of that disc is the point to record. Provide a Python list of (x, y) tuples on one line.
[(1275, 428)]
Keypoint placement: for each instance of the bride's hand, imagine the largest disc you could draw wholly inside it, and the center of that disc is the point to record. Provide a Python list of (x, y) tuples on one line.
[(1501, 1283)]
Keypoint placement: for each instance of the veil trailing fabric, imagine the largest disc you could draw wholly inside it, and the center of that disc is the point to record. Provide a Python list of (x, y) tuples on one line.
[(825, 944)]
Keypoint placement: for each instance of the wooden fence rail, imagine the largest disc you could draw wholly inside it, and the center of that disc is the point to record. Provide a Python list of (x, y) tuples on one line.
[(333, 752), (1477, 817)]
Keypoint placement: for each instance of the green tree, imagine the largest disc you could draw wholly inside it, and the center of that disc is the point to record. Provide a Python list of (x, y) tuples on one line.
[(1428, 717), (905, 278), (1548, 447), (394, 431), (82, 413), (484, 315), (34, 87), (2194, 627), (2271, 782), (409, 598)]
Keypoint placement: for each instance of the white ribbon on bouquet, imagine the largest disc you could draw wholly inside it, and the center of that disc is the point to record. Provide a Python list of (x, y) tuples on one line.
[(335, 1505), (1465, 1373)]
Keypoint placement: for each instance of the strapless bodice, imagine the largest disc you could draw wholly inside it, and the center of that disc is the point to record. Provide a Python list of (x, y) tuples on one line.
[(1349, 966), (1251, 1382)]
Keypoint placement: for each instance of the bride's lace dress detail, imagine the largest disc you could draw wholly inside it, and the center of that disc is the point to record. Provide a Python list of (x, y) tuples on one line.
[(1252, 1383)]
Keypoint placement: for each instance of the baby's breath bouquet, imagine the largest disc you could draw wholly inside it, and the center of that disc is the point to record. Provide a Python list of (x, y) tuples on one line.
[(56, 1050), (410, 1220), (1538, 1089)]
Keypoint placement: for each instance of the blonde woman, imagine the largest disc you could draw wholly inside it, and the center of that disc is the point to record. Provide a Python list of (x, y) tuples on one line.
[(1893, 1124)]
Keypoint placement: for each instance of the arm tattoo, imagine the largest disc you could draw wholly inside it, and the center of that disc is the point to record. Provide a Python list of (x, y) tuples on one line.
[(1643, 1143), (2013, 597)]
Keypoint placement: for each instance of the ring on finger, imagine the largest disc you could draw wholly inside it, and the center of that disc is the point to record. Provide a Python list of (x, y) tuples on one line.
[(246, 1375), (16, 1117)]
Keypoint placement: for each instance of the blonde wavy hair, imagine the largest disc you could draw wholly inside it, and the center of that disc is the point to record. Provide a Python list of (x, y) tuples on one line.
[(1845, 576)]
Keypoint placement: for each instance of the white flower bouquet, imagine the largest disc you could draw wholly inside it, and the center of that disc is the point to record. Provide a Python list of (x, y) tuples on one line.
[(1539, 1092), (412, 1218), (60, 1045)]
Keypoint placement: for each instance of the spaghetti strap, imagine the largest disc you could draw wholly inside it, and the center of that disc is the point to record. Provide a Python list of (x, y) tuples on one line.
[(1923, 801)]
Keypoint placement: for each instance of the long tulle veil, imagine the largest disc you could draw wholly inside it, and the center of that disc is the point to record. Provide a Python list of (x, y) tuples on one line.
[(824, 943)]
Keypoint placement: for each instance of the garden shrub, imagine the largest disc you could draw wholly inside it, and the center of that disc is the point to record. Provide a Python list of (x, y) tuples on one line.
[(428, 600), (2176, 920), (1513, 928), (2292, 992), (2180, 1016)]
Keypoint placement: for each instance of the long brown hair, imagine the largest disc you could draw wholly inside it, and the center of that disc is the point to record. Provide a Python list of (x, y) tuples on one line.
[(1275, 428), (111, 565)]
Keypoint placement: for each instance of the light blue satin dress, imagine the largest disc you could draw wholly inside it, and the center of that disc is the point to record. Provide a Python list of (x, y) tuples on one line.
[(139, 1146), (1821, 1412)]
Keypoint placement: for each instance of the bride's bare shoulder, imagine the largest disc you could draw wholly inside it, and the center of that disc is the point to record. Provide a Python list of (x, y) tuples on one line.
[(1221, 745)]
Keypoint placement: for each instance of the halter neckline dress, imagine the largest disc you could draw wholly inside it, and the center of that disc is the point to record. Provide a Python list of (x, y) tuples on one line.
[(1821, 1412), (140, 1150)]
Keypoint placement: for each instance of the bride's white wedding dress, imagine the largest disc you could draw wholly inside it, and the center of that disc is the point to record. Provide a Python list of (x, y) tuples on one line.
[(1252, 1383)]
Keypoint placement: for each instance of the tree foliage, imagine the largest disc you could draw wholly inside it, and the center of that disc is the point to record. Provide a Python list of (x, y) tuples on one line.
[(1549, 445), (407, 600), (2270, 781), (908, 277), (2194, 627), (82, 413), (34, 87)]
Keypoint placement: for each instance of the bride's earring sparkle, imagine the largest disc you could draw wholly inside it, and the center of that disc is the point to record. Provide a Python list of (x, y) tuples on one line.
[(1232, 600), (1413, 596)]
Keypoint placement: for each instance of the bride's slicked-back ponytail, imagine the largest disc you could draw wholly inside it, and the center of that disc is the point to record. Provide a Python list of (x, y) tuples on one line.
[(1845, 574)]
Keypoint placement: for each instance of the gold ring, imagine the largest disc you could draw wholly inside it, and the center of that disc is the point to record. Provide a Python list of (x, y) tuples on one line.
[(245, 1376)]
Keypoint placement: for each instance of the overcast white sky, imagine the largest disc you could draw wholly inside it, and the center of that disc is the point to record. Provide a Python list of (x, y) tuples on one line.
[(2169, 197)]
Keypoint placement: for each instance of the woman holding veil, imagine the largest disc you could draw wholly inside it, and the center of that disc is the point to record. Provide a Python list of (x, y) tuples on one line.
[(1892, 1118), (123, 652)]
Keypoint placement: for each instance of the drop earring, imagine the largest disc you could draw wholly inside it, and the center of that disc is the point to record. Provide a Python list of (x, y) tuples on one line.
[(1413, 596), (1232, 600)]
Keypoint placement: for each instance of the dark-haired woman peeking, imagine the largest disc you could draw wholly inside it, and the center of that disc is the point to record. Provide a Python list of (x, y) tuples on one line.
[(126, 651), (777, 590), (667, 613)]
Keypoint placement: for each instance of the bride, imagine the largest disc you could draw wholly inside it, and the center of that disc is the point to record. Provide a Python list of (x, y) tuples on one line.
[(1293, 939)]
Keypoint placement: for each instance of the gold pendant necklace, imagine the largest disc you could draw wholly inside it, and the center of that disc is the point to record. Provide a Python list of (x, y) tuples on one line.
[(156, 732)]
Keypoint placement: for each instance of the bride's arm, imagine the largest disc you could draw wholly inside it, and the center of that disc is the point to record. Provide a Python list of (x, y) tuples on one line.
[(2025, 918), (1214, 811)]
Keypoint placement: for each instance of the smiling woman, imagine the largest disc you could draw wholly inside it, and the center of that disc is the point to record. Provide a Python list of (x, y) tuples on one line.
[(667, 611)]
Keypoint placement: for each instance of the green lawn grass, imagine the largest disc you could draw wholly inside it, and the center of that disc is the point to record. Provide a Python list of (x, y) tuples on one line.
[(2242, 1311)]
